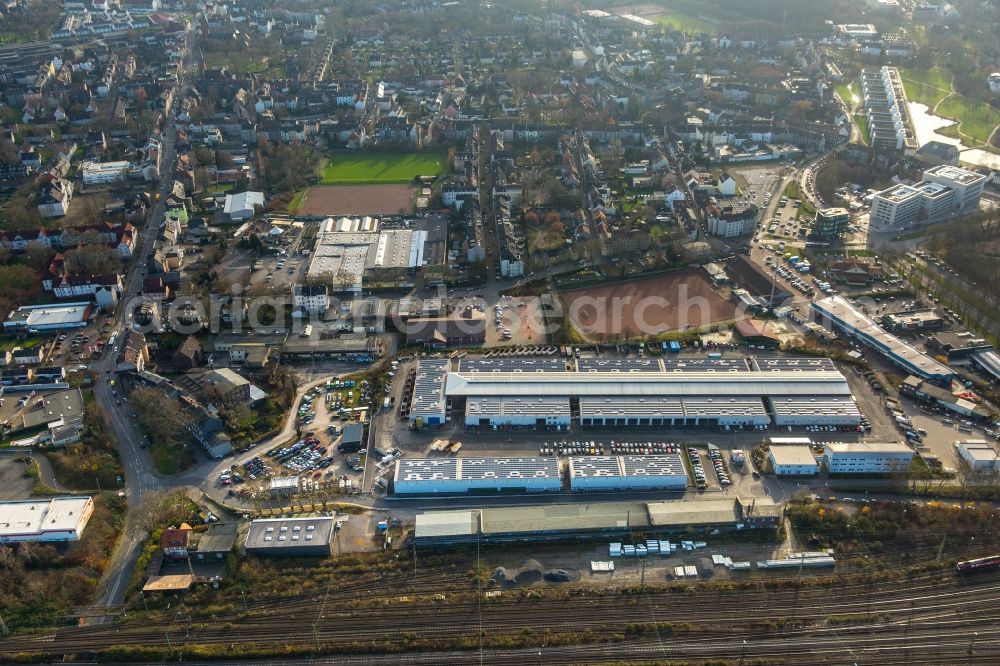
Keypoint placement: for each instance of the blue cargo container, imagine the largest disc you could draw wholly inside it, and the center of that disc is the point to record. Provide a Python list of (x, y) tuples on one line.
[(663, 346), (675, 346)]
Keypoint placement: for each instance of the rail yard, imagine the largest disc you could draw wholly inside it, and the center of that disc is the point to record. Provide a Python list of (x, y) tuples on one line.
[(371, 610)]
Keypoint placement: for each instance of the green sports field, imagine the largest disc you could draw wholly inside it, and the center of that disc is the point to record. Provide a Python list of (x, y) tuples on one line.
[(380, 168)]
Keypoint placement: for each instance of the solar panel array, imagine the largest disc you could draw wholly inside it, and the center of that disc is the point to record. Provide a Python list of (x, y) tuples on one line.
[(799, 405), (669, 464), (508, 468), (428, 390), (772, 364), (426, 469), (533, 406), (513, 364), (703, 364), (619, 365)]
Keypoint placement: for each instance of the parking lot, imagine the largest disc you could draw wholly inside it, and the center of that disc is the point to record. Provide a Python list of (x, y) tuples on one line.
[(314, 458)]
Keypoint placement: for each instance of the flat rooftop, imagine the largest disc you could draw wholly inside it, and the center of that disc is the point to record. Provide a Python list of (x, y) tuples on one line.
[(529, 406), (21, 518), (872, 448), (682, 513), (957, 174), (279, 533), (693, 384), (792, 455), (475, 469), (847, 315)]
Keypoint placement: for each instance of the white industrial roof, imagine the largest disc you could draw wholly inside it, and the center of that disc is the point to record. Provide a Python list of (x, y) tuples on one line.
[(21, 518), (446, 524), (668, 464), (792, 455), (244, 201), (475, 469), (842, 311), (54, 315), (798, 405), (611, 384), (284, 482), (529, 406), (867, 447)]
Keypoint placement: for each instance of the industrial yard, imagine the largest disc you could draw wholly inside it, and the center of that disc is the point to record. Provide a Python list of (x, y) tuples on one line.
[(580, 610)]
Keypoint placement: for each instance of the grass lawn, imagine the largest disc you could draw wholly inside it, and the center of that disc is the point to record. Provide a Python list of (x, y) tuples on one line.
[(975, 118), (383, 168), (686, 23), (847, 92), (296, 202), (927, 86), (862, 121), (8, 344), (169, 459)]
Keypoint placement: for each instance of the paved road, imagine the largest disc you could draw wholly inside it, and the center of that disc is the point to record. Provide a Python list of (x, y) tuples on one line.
[(140, 479)]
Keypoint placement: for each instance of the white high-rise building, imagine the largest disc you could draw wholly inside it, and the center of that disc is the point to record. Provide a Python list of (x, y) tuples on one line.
[(944, 190)]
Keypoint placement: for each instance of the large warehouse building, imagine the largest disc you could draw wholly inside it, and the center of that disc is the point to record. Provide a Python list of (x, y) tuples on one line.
[(56, 519), (436, 476), (574, 521), (666, 392), (866, 457), (659, 472), (846, 318)]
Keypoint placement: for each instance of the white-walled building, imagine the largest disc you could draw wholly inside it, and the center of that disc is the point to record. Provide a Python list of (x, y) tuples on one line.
[(944, 190), (103, 173), (242, 206), (793, 461), (657, 472), (55, 519), (311, 298), (431, 476), (866, 457), (968, 185), (516, 411), (978, 455)]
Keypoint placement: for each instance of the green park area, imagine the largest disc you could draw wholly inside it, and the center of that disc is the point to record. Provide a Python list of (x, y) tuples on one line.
[(927, 86), (686, 23), (380, 168), (976, 120)]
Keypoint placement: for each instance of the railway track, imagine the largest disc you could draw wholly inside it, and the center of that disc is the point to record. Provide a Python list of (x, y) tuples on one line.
[(931, 608)]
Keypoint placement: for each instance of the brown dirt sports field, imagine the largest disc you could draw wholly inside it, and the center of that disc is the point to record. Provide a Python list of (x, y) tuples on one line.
[(647, 306), (336, 200)]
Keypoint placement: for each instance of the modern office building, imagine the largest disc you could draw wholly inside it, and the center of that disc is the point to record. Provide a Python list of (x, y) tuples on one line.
[(944, 190), (967, 185), (830, 222), (866, 457)]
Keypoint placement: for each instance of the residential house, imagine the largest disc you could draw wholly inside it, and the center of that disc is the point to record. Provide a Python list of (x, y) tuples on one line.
[(174, 542), (54, 196), (189, 355), (27, 355)]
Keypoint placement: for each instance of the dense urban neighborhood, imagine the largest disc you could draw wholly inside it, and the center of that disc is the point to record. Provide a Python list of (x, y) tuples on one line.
[(577, 332)]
